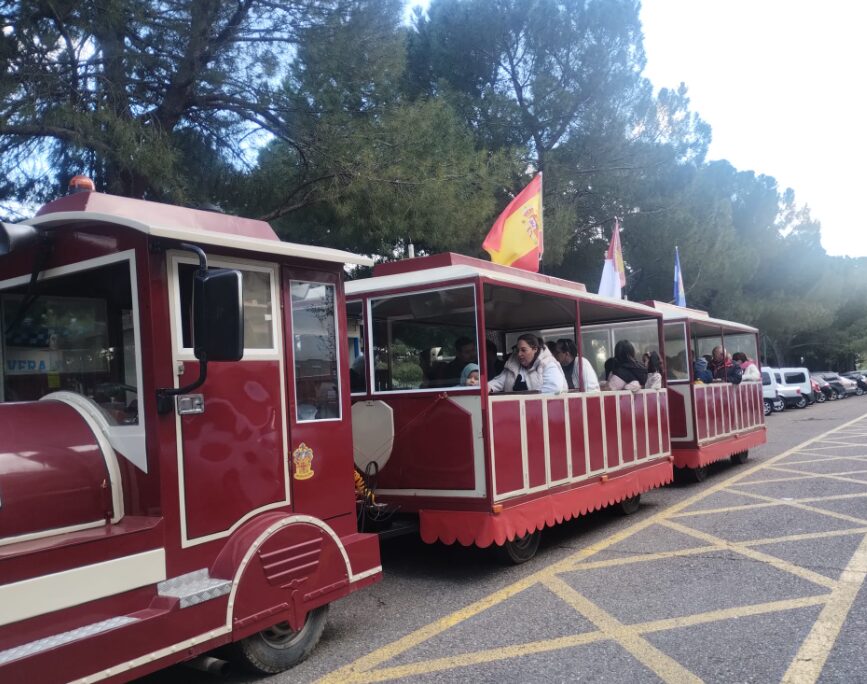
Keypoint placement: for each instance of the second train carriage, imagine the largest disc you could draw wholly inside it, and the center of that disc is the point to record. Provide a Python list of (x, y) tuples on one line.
[(709, 422), (483, 468)]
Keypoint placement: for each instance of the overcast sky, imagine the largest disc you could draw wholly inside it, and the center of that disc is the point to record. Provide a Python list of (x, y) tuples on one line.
[(782, 83)]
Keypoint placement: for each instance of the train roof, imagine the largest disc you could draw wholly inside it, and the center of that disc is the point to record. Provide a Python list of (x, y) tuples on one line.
[(181, 223), (671, 312), (448, 267)]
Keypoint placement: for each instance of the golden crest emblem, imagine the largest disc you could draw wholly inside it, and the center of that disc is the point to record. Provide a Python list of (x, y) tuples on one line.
[(531, 222), (302, 457)]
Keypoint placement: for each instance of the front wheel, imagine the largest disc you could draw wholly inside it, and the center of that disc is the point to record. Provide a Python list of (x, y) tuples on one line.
[(820, 397), (740, 458), (630, 505), (520, 549), (859, 391), (768, 406), (279, 647), (779, 405)]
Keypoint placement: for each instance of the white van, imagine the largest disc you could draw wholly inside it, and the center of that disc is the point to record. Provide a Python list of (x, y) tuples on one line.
[(772, 399), (799, 377), (790, 394)]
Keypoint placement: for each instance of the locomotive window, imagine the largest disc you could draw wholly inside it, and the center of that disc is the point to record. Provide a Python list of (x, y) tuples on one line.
[(73, 332), (355, 340), (676, 362), (314, 334), (258, 308)]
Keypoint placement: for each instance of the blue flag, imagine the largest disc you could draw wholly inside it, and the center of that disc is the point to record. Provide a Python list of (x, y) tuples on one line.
[(679, 292)]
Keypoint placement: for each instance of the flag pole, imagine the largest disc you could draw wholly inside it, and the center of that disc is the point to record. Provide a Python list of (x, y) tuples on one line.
[(541, 220)]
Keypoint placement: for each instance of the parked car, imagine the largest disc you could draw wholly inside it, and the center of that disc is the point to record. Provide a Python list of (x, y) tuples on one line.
[(791, 394), (770, 396), (838, 388), (859, 378), (820, 387), (799, 377)]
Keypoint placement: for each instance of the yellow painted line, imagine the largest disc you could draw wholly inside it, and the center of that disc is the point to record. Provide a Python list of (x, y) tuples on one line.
[(812, 509), (841, 477), (766, 558), (664, 666), (774, 480), (359, 670), (805, 537), (810, 660), (752, 507)]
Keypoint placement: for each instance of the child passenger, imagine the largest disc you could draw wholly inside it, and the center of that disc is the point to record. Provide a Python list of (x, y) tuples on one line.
[(470, 375)]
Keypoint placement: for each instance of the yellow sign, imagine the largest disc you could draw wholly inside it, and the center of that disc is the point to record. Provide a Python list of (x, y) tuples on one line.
[(302, 457)]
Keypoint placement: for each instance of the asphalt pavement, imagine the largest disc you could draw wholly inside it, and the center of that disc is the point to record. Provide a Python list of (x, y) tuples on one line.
[(755, 575)]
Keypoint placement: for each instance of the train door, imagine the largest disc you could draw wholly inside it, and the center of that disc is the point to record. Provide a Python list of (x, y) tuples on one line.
[(231, 431)]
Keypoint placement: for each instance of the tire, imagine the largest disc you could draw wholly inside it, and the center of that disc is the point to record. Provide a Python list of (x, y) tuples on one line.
[(802, 402), (278, 648), (768, 406), (740, 458), (834, 395), (698, 474), (630, 505), (520, 549), (820, 397), (779, 405), (859, 391)]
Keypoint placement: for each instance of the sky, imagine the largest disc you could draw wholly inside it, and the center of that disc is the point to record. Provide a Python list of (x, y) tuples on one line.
[(783, 86)]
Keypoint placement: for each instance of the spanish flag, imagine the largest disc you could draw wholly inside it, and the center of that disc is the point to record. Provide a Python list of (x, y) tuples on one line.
[(516, 237), (613, 272)]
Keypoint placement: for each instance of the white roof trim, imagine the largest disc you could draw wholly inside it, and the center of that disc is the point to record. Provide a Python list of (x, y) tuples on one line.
[(432, 276), (207, 237), (677, 313)]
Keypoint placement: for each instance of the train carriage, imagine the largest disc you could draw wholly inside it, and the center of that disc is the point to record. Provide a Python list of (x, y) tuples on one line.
[(484, 468), (709, 422)]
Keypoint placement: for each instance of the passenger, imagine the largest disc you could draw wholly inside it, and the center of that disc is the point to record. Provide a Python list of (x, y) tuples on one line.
[(566, 353), (610, 365), (717, 364), (654, 371), (734, 372), (702, 374), (750, 369), (493, 365), (531, 367), (628, 373), (470, 375), (465, 352)]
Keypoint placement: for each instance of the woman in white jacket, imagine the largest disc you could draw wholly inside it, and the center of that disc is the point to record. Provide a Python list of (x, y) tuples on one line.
[(531, 367)]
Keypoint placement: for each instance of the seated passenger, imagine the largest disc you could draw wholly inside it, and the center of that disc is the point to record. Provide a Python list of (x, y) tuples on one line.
[(627, 373), (566, 353), (531, 367), (450, 373), (470, 375), (702, 374), (494, 366), (654, 371), (750, 369), (717, 364)]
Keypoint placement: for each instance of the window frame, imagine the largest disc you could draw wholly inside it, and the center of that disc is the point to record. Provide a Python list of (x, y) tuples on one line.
[(338, 339)]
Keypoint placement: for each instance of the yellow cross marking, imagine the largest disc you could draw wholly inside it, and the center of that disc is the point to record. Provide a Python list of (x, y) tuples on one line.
[(804, 669)]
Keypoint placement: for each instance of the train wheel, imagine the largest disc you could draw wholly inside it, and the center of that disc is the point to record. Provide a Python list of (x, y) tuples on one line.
[(630, 505), (698, 474), (520, 549), (740, 458), (278, 648)]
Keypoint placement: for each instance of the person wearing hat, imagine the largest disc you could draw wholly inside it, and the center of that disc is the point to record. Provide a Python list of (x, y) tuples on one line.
[(702, 374), (470, 375)]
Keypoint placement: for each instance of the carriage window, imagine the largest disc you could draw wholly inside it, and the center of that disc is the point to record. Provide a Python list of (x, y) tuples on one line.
[(741, 342), (597, 348), (676, 362), (355, 339), (314, 337), (73, 333), (422, 340), (643, 335)]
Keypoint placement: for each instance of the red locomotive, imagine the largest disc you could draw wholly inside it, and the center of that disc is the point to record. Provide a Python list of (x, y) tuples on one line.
[(176, 469)]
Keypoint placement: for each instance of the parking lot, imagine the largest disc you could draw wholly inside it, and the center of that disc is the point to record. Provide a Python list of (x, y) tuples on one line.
[(756, 575)]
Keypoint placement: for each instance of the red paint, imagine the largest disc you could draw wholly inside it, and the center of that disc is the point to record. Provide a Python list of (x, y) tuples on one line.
[(641, 425), (609, 402), (627, 431), (678, 413), (506, 451), (701, 406), (557, 439), (535, 442), (595, 435), (653, 401), (577, 435)]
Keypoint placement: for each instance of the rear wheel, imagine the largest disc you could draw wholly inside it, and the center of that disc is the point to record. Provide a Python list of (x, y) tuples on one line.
[(698, 474), (768, 406), (859, 391), (279, 647), (779, 405), (630, 505), (520, 549), (802, 402), (834, 395), (740, 458), (820, 397)]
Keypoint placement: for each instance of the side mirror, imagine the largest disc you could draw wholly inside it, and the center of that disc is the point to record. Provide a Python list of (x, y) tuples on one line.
[(14, 237), (218, 315)]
